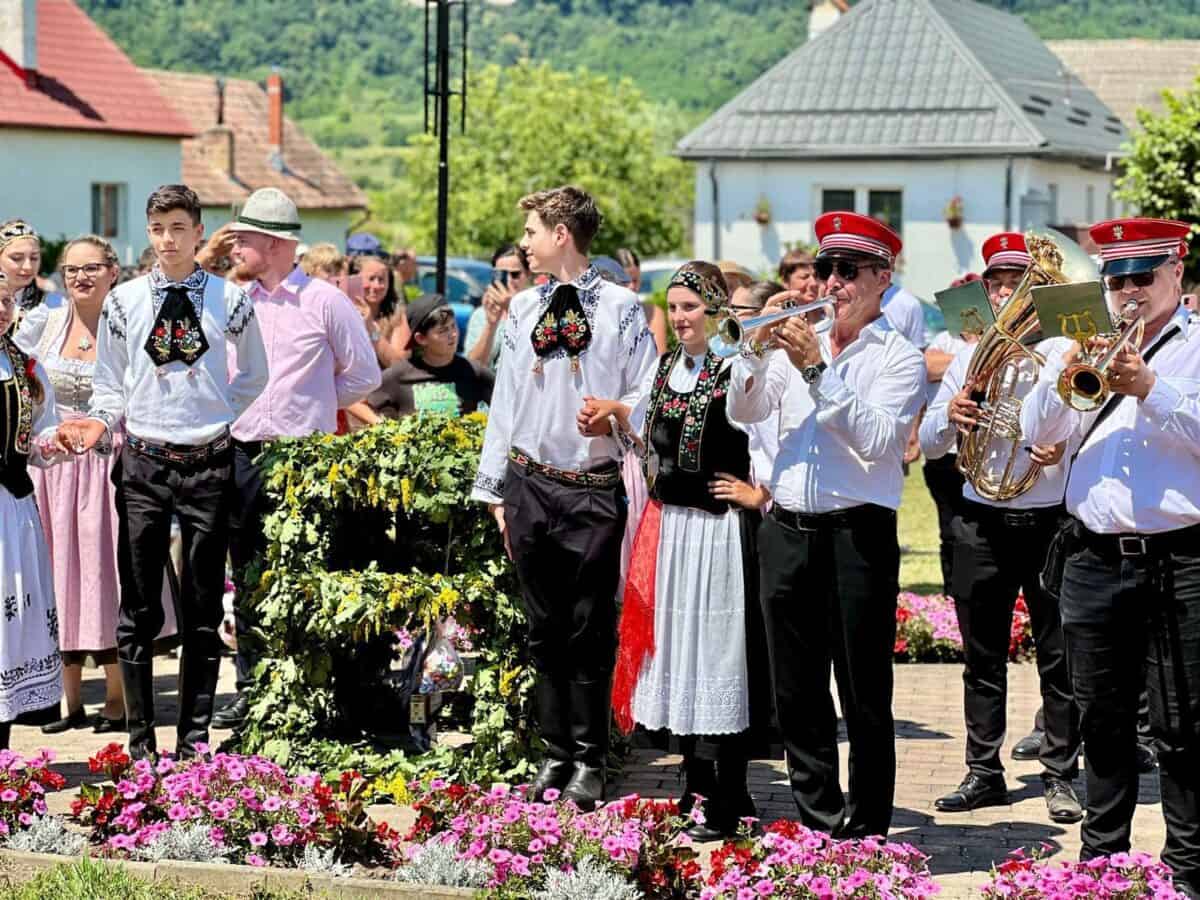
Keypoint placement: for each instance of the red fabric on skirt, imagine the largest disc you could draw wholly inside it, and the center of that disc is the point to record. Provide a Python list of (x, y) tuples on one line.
[(637, 615)]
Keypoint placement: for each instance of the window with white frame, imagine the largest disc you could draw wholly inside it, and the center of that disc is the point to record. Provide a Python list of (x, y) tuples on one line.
[(106, 209), (886, 205)]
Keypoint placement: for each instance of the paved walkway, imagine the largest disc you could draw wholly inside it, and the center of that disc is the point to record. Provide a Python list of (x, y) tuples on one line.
[(929, 748)]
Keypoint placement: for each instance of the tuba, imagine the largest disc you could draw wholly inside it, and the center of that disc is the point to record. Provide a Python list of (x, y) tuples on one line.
[(997, 365)]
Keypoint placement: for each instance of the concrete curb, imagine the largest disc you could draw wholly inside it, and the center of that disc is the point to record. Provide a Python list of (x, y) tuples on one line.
[(17, 867)]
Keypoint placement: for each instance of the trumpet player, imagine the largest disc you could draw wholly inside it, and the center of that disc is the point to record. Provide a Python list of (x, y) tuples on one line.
[(1131, 577), (828, 555), (991, 568)]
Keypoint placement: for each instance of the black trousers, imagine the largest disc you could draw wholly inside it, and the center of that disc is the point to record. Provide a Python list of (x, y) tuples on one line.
[(148, 492), (998, 554), (1134, 623), (247, 509), (829, 597), (945, 485), (566, 544)]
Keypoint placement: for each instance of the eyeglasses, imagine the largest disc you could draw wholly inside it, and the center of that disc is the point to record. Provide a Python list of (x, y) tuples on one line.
[(1139, 279), (738, 308), (847, 269), (91, 270)]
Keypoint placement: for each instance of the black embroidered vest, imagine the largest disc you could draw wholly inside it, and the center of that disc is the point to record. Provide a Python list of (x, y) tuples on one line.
[(692, 438), (16, 424)]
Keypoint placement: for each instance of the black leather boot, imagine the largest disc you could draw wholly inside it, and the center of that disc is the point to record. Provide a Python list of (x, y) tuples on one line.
[(699, 776), (138, 681), (731, 800), (589, 716), (197, 693), (551, 699)]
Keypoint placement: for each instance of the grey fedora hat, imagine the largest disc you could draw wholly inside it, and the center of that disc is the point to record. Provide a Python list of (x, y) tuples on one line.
[(269, 211)]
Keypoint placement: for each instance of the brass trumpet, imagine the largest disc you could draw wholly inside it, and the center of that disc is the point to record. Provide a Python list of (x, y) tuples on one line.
[(1083, 385), (730, 336)]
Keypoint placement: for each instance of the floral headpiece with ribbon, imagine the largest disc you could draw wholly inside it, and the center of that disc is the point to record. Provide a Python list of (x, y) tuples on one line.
[(709, 290), (15, 231)]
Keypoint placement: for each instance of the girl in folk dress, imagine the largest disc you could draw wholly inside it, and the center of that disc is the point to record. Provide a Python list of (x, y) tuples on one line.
[(690, 626), (30, 670), (76, 502), (20, 261)]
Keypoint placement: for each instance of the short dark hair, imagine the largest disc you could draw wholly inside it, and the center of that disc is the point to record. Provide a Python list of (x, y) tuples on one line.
[(627, 258), (170, 197), (762, 291), (436, 319), (511, 250), (569, 206), (792, 261)]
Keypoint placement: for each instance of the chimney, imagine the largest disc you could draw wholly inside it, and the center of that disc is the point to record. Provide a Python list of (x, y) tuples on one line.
[(216, 144), (274, 118), (18, 38)]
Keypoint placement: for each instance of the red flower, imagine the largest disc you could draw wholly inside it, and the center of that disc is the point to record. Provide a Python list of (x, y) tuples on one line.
[(178, 332)]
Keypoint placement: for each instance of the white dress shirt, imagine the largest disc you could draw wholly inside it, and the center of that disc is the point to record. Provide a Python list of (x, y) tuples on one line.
[(176, 403), (537, 412), (1139, 471), (842, 438), (939, 435), (906, 313)]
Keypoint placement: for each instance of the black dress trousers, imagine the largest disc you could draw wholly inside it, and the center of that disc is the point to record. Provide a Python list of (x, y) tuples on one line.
[(829, 598), (566, 545), (1133, 623), (999, 553), (247, 543), (149, 491), (945, 485)]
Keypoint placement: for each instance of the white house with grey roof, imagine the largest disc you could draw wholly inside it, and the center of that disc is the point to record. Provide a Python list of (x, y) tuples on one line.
[(900, 106)]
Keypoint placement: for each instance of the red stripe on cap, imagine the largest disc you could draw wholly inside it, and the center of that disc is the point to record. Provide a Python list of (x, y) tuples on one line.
[(1009, 258), (1130, 249)]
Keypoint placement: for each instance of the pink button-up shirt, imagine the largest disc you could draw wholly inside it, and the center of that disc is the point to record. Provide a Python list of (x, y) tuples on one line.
[(319, 356)]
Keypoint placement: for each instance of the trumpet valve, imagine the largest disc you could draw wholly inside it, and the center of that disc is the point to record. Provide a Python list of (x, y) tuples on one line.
[(1003, 418)]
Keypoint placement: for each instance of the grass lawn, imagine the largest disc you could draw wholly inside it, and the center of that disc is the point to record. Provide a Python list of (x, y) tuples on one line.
[(920, 566)]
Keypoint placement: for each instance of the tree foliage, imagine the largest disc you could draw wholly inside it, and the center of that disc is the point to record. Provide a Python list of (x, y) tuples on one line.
[(1162, 171), (531, 127)]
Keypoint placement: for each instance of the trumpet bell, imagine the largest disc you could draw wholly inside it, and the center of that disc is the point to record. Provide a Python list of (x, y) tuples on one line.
[(730, 337)]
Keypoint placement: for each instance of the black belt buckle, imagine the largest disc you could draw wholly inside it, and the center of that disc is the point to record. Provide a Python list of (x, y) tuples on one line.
[(1132, 545)]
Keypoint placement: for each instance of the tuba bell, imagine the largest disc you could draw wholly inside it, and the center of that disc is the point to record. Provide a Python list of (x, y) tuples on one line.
[(999, 362)]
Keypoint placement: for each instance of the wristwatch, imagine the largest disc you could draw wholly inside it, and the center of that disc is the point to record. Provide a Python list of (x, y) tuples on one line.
[(810, 374)]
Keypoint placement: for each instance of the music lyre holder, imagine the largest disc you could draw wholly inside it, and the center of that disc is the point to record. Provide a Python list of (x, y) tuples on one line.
[(441, 93)]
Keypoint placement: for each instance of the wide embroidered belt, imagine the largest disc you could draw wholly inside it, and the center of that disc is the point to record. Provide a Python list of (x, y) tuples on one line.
[(604, 478), (179, 454)]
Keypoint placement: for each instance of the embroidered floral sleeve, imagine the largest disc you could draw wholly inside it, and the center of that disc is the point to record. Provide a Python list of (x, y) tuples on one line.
[(240, 316), (112, 314)]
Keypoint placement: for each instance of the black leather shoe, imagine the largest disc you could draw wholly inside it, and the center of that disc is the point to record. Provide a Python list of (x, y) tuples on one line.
[(233, 714), (1061, 801), (974, 792), (1028, 747), (105, 725), (554, 773), (586, 787), (703, 834), (77, 719)]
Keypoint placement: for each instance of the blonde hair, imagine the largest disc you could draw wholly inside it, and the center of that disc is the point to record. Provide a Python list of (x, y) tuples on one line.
[(323, 258), (93, 240)]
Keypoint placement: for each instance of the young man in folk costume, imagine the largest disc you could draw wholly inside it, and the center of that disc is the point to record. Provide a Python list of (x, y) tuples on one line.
[(1130, 594), (556, 492), (829, 559), (991, 568), (161, 364)]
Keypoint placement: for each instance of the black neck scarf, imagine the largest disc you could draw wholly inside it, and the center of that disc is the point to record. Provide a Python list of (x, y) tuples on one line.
[(563, 326), (177, 334)]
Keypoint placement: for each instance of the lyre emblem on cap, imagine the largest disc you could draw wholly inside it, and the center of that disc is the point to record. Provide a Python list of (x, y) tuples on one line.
[(837, 223), (1118, 232), (1004, 243)]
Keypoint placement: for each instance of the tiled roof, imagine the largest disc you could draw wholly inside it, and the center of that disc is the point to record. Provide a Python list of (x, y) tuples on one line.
[(309, 177), (1129, 74), (84, 82), (912, 78)]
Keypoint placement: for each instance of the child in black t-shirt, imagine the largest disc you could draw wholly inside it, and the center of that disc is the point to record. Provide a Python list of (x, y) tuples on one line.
[(436, 378)]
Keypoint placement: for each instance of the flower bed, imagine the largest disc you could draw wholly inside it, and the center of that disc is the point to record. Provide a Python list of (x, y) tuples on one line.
[(791, 861), (927, 630), (252, 811), (23, 787), (637, 842), (1122, 876)]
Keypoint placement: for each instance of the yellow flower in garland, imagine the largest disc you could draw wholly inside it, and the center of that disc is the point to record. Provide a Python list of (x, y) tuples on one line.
[(507, 677), (335, 472), (406, 492)]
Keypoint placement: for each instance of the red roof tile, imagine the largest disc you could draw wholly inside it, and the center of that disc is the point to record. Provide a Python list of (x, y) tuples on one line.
[(309, 177), (84, 82)]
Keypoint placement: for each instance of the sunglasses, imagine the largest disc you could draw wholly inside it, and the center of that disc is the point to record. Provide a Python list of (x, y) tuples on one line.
[(847, 269), (1139, 279)]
